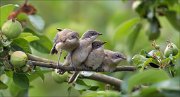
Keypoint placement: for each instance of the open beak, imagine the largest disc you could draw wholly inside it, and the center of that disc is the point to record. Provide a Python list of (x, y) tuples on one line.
[(124, 58), (104, 42), (59, 29), (59, 45), (99, 33)]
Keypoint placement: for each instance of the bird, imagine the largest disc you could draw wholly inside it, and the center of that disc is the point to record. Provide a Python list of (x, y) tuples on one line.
[(79, 55), (96, 56), (65, 39), (111, 60)]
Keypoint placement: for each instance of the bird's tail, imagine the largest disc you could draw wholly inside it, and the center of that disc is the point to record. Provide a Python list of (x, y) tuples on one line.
[(74, 77), (53, 50)]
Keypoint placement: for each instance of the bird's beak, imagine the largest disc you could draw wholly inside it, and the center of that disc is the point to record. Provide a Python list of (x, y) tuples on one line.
[(77, 37), (59, 45), (59, 29), (99, 33), (124, 58), (104, 42)]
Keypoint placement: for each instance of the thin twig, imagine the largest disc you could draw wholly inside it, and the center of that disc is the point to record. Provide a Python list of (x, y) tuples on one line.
[(106, 79), (36, 58)]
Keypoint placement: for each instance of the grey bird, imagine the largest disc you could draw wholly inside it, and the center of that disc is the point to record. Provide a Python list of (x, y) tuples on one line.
[(111, 60), (65, 39), (79, 55), (96, 56)]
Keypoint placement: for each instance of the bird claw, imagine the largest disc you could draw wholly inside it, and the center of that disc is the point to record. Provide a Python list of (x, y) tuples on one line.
[(98, 69), (61, 71), (74, 68)]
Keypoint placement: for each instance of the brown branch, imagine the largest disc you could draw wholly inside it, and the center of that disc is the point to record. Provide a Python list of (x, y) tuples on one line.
[(69, 68), (96, 76), (42, 62), (36, 58), (105, 79)]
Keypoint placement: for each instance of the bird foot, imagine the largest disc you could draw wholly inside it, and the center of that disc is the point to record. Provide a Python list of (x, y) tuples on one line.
[(61, 71)]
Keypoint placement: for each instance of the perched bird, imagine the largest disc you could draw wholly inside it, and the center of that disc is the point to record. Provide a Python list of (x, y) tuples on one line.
[(96, 56), (111, 60), (65, 39), (79, 55)]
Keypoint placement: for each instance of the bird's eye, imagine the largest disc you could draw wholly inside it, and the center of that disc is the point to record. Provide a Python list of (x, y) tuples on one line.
[(73, 36), (92, 34), (118, 56), (98, 45)]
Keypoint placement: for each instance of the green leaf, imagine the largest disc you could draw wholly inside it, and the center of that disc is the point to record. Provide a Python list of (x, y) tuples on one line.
[(28, 36), (22, 17), (173, 18), (37, 21), (3, 86), (143, 52), (171, 84), (38, 73), (90, 82), (138, 59), (21, 44), (124, 28), (81, 87), (133, 36), (148, 76), (9, 73), (2, 68), (5, 11), (15, 90), (171, 93), (146, 63), (168, 88), (154, 28), (150, 92), (106, 93), (43, 45), (21, 80)]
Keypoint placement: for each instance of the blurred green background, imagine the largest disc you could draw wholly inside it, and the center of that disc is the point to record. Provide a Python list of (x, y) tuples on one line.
[(104, 16)]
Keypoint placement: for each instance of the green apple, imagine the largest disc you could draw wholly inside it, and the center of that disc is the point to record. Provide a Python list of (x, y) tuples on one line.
[(12, 29), (18, 59)]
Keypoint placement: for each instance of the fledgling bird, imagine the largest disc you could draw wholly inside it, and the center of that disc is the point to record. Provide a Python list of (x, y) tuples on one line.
[(79, 55), (96, 56), (65, 39), (111, 60)]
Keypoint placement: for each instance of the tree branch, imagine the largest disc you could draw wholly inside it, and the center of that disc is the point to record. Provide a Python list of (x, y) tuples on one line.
[(36, 58), (42, 62), (69, 68), (105, 79)]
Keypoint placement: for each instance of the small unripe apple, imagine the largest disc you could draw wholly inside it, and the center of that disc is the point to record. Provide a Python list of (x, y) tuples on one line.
[(18, 59), (59, 78), (12, 29), (171, 48)]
